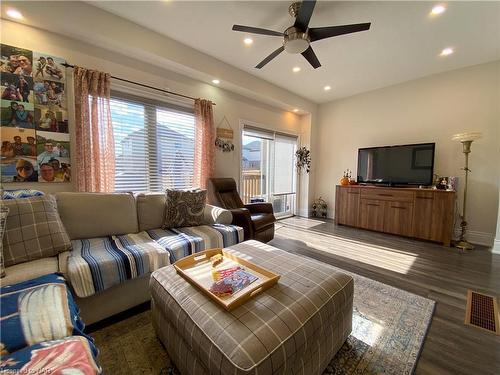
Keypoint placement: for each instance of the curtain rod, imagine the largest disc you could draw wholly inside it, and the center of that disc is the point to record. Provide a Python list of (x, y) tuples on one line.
[(142, 85)]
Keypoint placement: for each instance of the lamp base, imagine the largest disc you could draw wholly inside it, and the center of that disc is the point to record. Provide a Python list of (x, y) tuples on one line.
[(464, 245)]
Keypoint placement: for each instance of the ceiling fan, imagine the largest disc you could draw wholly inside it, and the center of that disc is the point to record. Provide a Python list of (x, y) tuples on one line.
[(298, 38)]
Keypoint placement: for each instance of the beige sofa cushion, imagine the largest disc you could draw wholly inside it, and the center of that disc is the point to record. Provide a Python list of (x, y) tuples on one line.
[(151, 212), (30, 270), (90, 215)]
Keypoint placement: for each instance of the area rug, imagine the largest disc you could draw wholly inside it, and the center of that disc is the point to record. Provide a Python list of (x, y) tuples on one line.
[(389, 328)]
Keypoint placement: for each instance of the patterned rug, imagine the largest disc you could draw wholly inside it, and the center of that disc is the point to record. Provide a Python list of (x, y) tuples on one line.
[(389, 328)]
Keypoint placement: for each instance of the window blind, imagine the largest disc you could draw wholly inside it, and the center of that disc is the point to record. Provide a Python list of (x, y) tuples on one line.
[(154, 144)]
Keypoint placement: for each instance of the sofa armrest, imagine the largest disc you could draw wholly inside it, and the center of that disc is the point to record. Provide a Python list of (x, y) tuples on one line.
[(242, 218), (216, 215), (260, 208)]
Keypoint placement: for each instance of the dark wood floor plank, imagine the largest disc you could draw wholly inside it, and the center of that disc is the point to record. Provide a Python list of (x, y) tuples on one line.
[(440, 273)]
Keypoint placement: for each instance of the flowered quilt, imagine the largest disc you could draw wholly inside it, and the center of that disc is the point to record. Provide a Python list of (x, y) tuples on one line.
[(37, 310), (74, 355)]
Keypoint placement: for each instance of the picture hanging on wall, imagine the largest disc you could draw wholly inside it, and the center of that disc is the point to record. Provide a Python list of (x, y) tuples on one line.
[(34, 118)]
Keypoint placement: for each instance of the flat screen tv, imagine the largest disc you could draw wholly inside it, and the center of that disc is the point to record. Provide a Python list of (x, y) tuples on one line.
[(397, 165)]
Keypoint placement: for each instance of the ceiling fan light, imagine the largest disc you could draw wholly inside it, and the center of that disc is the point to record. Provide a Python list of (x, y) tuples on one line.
[(296, 45)]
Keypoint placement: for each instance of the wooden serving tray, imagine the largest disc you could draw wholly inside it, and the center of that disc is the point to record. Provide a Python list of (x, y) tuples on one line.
[(197, 268)]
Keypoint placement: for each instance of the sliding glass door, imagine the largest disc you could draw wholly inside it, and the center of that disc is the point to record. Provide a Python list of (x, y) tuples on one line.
[(268, 172)]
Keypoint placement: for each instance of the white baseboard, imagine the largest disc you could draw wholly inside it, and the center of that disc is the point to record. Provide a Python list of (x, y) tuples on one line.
[(478, 238), (303, 212), (496, 247)]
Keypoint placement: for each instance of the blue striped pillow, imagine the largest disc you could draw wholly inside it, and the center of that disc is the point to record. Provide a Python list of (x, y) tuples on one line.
[(21, 193)]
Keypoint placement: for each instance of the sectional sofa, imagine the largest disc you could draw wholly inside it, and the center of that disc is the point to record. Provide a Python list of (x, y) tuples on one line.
[(117, 241)]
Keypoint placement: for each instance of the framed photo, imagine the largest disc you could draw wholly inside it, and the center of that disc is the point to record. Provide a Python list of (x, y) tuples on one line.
[(53, 157), (48, 67), (15, 60), (17, 114), (16, 88)]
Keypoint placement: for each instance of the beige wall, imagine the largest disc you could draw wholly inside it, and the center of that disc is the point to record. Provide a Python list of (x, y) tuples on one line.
[(430, 109), (233, 106)]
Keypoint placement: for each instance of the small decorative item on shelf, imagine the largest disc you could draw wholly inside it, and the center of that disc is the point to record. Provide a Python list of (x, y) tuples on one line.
[(319, 208), (303, 161), (442, 183), (453, 183), (346, 178)]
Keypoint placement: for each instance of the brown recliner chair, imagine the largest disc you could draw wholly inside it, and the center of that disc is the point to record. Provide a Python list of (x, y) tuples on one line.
[(257, 219)]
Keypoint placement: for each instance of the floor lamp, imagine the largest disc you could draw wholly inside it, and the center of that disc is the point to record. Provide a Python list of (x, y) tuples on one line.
[(466, 139)]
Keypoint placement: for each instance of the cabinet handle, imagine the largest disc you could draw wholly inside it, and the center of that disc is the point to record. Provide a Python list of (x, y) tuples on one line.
[(399, 207), (425, 197), (372, 204), (385, 195)]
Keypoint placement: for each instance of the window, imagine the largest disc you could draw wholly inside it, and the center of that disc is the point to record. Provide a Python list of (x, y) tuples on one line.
[(154, 144)]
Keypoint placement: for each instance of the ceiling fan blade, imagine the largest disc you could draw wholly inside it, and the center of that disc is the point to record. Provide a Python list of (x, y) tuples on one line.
[(270, 57), (256, 30), (305, 13), (318, 33), (311, 57)]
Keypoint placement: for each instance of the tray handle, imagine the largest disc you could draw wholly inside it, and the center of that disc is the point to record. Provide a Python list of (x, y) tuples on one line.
[(256, 291), (197, 258)]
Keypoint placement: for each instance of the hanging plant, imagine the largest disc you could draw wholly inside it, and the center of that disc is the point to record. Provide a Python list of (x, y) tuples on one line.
[(303, 160)]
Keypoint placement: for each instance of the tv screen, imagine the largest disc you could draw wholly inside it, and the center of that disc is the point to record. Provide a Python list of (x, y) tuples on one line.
[(397, 165)]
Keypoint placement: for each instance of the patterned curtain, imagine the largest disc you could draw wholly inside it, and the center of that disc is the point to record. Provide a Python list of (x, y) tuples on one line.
[(204, 152), (95, 156)]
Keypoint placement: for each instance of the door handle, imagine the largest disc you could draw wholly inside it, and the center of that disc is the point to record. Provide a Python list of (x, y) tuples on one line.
[(399, 207), (372, 204), (385, 195)]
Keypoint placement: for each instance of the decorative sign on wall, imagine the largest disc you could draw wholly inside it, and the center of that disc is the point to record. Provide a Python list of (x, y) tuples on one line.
[(225, 134), (34, 117)]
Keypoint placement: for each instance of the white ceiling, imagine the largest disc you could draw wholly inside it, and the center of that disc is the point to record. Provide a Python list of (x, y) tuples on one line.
[(403, 43)]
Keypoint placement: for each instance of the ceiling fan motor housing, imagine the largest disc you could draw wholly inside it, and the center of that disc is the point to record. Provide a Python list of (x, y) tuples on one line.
[(295, 41)]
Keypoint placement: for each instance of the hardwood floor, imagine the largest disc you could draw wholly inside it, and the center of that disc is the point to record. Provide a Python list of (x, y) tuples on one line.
[(430, 270)]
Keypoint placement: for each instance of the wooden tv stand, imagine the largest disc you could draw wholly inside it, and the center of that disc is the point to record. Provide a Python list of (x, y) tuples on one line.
[(419, 213)]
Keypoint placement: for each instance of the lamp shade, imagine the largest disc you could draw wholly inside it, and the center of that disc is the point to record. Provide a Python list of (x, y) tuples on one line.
[(467, 136)]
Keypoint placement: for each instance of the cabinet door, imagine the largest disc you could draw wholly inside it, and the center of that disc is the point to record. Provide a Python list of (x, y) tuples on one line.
[(423, 215), (347, 206), (371, 214), (442, 217), (398, 218)]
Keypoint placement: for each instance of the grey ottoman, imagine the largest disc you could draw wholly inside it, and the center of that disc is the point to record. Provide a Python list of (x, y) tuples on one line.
[(295, 327)]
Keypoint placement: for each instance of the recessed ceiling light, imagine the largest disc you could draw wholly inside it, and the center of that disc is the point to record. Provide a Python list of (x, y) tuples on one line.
[(295, 110), (438, 9), (248, 41), (446, 52), (14, 13), (327, 88), (296, 69), (215, 81)]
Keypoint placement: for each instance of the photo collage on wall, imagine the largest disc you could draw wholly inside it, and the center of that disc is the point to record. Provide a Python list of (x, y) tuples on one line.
[(34, 117)]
